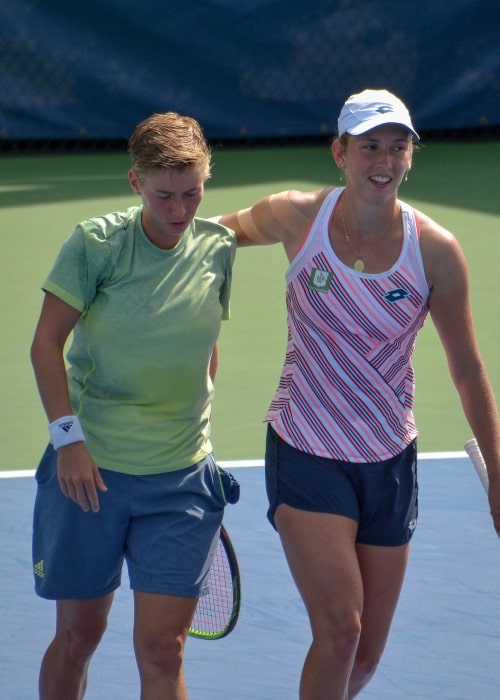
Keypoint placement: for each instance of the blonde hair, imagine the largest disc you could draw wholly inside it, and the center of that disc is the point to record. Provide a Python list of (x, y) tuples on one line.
[(169, 140)]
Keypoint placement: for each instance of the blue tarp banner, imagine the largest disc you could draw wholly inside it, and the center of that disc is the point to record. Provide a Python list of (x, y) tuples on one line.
[(244, 68)]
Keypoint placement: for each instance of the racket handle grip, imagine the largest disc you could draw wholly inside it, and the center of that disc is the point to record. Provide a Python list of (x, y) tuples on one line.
[(472, 449)]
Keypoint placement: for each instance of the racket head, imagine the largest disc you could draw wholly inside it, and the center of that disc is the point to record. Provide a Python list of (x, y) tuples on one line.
[(218, 606)]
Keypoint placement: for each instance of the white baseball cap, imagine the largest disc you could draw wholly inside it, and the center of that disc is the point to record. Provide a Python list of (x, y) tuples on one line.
[(371, 108)]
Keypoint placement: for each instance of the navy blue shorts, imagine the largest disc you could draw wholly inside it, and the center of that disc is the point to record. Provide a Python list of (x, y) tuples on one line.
[(165, 526), (382, 497)]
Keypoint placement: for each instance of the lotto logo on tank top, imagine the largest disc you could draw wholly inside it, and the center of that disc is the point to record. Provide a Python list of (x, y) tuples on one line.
[(396, 295), (320, 280)]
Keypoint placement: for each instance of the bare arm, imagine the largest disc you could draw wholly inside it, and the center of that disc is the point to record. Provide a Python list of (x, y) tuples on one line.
[(78, 475), (285, 218), (214, 362), (451, 313), (56, 322)]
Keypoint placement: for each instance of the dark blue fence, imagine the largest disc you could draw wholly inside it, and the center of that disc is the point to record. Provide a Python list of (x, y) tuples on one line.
[(92, 69)]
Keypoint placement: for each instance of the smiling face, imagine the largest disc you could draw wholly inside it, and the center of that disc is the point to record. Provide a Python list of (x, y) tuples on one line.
[(170, 199), (376, 162)]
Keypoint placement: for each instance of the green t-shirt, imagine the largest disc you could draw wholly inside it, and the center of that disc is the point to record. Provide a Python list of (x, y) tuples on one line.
[(139, 357)]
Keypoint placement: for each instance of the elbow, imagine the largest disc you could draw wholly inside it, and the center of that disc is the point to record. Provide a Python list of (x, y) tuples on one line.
[(35, 352), (40, 349)]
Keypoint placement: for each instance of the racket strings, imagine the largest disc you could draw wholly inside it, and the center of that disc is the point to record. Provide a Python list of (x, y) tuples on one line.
[(215, 606)]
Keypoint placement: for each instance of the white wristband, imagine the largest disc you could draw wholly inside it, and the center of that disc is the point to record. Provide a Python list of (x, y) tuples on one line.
[(66, 430)]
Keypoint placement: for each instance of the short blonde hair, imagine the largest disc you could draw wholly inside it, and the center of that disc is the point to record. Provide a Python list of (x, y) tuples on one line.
[(169, 140)]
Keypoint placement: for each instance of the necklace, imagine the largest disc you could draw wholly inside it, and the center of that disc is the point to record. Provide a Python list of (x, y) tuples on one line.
[(359, 264)]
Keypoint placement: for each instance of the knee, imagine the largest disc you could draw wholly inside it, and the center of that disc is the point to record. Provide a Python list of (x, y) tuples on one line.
[(81, 640), (160, 654), (340, 633)]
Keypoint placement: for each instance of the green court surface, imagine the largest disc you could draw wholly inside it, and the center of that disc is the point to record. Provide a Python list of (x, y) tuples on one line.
[(43, 197)]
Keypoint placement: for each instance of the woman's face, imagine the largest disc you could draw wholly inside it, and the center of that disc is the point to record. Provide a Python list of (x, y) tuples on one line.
[(377, 161), (170, 200)]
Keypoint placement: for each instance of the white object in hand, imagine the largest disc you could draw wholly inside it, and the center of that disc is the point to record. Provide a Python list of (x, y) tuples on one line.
[(472, 449)]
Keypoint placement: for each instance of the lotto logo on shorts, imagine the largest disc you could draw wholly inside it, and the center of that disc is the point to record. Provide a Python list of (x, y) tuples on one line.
[(320, 280)]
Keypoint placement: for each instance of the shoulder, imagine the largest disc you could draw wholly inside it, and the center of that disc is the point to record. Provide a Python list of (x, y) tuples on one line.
[(100, 235), (95, 244), (433, 235), (442, 253), (107, 226), (286, 216), (295, 210), (214, 232), (308, 204), (214, 241)]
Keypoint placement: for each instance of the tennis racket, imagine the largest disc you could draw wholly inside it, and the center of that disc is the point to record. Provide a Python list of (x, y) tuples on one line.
[(472, 449), (219, 604)]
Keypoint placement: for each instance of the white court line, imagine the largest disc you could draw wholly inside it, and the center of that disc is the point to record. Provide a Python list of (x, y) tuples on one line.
[(238, 464), (17, 473), (235, 464)]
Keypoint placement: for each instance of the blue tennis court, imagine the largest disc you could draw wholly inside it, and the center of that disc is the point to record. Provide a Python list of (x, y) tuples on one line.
[(445, 640)]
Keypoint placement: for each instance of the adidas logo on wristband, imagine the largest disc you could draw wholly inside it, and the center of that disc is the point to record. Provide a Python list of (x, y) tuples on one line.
[(65, 430)]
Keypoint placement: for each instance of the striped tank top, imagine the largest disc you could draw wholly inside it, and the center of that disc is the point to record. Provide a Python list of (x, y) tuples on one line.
[(346, 389)]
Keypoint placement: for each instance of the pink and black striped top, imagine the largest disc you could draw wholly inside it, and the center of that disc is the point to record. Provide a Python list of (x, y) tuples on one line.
[(347, 385)]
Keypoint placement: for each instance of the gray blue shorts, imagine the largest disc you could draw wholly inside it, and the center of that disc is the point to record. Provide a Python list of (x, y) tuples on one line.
[(165, 526), (382, 497)]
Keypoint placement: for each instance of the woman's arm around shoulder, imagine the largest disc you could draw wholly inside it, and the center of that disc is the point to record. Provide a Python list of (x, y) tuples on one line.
[(285, 218), (450, 307)]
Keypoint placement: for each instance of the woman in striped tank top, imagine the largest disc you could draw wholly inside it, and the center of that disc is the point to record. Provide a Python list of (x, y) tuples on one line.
[(365, 269)]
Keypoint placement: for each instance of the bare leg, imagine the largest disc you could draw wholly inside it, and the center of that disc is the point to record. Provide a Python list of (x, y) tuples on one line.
[(382, 570), (160, 630), (79, 628), (350, 592), (320, 549)]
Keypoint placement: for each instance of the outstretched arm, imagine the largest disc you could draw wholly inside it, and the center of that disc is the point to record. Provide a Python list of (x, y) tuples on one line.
[(285, 218)]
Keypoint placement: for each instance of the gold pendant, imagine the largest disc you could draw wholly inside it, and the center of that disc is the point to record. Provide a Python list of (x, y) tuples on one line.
[(359, 265)]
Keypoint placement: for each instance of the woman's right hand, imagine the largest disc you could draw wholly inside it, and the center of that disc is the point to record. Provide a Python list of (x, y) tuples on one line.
[(79, 477)]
